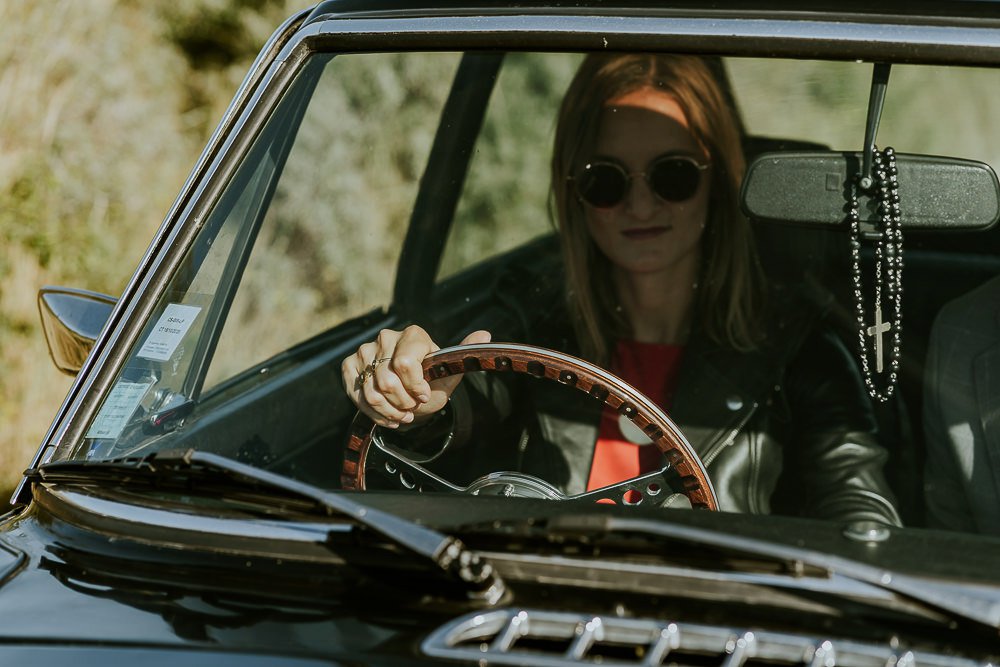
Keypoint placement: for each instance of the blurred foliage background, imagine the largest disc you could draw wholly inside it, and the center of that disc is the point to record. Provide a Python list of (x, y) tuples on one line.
[(105, 107)]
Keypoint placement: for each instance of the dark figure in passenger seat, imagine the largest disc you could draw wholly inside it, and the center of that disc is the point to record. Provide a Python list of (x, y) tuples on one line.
[(962, 414)]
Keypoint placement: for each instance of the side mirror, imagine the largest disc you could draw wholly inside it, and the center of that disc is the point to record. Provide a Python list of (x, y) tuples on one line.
[(72, 319)]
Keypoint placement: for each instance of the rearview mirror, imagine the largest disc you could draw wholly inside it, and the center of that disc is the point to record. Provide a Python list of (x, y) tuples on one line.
[(813, 188), (72, 319)]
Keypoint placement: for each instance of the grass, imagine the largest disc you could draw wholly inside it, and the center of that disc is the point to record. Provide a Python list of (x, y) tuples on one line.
[(106, 106)]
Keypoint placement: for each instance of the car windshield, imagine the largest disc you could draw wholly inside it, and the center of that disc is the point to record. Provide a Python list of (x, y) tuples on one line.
[(808, 371)]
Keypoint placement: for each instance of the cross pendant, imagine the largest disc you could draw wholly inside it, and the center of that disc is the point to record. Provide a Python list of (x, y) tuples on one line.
[(877, 331)]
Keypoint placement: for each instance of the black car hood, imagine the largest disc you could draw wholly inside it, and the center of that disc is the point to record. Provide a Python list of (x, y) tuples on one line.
[(102, 584)]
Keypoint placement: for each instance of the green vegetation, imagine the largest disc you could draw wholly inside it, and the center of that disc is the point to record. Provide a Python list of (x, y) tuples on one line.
[(106, 106)]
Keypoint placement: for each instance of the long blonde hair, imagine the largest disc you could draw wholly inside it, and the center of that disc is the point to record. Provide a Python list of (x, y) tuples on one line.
[(728, 300)]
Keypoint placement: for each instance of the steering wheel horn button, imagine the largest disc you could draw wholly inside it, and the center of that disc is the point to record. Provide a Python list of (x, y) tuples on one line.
[(869, 532), (514, 484)]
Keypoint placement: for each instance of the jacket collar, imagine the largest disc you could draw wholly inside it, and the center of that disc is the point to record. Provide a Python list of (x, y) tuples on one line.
[(718, 390)]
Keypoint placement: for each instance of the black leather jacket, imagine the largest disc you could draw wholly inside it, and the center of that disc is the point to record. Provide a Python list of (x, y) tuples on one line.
[(787, 429)]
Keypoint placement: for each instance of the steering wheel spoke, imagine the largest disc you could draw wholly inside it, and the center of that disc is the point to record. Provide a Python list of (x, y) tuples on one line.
[(653, 488), (402, 472)]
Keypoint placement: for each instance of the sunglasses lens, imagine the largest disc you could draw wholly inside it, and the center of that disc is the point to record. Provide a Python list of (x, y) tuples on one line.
[(673, 179), (601, 185)]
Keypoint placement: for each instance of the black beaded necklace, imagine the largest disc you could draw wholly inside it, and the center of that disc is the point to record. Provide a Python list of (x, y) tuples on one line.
[(888, 236)]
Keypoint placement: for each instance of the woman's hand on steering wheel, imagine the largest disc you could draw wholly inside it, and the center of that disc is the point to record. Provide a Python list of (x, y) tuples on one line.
[(385, 380)]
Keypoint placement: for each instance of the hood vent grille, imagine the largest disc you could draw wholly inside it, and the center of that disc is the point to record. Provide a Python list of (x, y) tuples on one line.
[(550, 639)]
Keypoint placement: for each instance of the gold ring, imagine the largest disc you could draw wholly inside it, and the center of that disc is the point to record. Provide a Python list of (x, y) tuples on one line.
[(369, 370)]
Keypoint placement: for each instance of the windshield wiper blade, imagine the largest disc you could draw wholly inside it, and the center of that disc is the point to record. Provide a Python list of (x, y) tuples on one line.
[(977, 604), (476, 574)]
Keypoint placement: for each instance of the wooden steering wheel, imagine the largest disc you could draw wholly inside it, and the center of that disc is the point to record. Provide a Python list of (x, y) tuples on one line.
[(684, 473)]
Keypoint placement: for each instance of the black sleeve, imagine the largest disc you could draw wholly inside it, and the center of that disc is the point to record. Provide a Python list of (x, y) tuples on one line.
[(834, 445)]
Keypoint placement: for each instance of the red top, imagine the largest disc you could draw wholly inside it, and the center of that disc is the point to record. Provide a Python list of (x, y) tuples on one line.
[(652, 369)]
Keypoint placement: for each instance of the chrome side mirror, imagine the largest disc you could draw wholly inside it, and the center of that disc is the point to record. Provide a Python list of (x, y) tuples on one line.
[(72, 319)]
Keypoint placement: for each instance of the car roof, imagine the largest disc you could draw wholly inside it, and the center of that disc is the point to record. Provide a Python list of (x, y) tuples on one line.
[(954, 32), (949, 12)]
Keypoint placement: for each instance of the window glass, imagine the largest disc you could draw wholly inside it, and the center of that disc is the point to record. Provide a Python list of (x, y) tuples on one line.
[(331, 238), (306, 235), (295, 266), (505, 200), (822, 102), (826, 102)]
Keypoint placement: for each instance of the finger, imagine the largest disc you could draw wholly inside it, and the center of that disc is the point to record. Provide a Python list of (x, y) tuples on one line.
[(358, 381), (385, 381), (384, 399), (477, 338), (353, 386), (376, 417), (375, 404), (412, 347), (349, 373), (365, 354), (446, 386), (388, 383), (351, 369)]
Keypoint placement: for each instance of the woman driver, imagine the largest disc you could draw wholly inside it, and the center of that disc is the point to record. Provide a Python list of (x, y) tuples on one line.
[(663, 287)]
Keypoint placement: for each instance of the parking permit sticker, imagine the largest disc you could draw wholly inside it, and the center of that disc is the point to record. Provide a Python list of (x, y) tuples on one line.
[(117, 409), (168, 332)]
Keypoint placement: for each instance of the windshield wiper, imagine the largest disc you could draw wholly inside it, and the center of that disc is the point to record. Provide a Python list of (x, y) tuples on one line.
[(191, 468), (957, 601)]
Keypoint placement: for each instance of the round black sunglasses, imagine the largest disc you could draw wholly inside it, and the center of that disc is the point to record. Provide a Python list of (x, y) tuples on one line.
[(605, 183)]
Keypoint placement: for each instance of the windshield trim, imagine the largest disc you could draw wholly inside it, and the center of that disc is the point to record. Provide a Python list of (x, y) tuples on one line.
[(836, 38)]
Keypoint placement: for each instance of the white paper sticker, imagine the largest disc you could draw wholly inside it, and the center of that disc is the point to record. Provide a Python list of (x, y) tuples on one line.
[(118, 409), (168, 332)]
